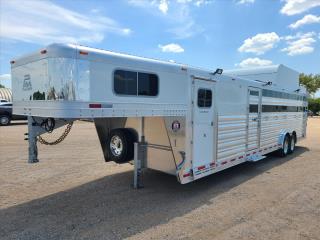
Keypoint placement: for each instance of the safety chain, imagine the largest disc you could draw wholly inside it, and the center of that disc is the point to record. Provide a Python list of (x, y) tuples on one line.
[(60, 139)]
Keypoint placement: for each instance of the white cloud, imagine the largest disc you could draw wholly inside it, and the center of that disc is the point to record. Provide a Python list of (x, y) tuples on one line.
[(299, 35), (163, 6), (245, 1), (5, 79), (197, 3), (172, 47), (44, 22), (300, 44), (160, 5), (308, 19), (176, 14), (293, 7), (254, 62), (260, 43)]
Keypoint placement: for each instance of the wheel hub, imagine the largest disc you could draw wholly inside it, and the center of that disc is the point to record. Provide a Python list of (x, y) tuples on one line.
[(292, 145), (4, 120), (116, 145), (286, 146)]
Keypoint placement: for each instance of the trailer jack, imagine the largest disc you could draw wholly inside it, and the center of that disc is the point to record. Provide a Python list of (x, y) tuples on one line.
[(139, 163)]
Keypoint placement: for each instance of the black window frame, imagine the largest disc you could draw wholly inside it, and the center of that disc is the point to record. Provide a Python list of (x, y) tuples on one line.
[(156, 77), (204, 100)]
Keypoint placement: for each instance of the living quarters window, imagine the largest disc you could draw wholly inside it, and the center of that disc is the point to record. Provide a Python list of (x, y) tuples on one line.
[(135, 83), (204, 98)]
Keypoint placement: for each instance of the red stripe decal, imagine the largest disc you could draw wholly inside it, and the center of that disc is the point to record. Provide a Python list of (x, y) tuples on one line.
[(187, 175), (201, 167), (212, 164), (248, 154), (232, 160), (224, 162), (254, 152), (240, 157)]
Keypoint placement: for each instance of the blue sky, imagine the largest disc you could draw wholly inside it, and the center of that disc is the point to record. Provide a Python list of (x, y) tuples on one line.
[(210, 34)]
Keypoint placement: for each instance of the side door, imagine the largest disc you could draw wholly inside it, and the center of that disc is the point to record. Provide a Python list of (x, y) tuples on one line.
[(254, 118), (203, 126)]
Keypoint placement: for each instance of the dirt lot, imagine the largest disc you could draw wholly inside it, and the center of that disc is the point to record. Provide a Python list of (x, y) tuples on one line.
[(73, 194)]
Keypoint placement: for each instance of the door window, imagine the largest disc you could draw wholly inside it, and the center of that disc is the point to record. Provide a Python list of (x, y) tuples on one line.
[(204, 98)]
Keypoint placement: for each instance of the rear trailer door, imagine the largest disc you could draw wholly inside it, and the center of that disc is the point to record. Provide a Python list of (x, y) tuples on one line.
[(203, 127), (254, 118)]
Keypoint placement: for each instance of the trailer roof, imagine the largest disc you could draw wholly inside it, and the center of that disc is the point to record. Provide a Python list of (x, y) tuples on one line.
[(280, 75), (84, 52)]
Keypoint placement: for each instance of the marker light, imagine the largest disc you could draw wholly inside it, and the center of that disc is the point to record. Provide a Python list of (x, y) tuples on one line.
[(83, 53)]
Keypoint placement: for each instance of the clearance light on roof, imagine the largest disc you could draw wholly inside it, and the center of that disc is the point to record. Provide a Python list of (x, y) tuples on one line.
[(83, 52), (43, 51), (12, 62)]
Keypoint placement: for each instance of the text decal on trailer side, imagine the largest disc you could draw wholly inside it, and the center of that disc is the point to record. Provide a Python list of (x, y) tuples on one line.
[(189, 122)]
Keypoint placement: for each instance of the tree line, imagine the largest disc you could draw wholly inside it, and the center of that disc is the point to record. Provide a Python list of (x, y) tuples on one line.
[(312, 83)]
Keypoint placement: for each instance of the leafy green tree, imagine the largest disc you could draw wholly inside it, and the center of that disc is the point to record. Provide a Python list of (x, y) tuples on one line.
[(1, 86), (314, 104), (311, 82)]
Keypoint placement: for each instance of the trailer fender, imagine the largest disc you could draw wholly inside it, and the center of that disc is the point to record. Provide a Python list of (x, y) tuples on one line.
[(283, 134)]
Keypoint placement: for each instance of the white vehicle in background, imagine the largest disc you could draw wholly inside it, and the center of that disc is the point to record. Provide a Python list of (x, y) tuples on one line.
[(187, 121)]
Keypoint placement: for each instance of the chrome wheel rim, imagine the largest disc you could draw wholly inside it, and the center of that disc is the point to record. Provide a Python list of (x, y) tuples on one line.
[(116, 145), (4, 120), (292, 145), (286, 146)]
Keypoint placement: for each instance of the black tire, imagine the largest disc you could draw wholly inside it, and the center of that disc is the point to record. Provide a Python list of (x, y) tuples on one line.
[(292, 145), (120, 145), (5, 120), (284, 150)]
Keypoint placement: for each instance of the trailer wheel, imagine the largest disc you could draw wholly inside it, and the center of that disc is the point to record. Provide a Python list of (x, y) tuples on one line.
[(120, 145), (4, 120), (284, 150), (292, 146)]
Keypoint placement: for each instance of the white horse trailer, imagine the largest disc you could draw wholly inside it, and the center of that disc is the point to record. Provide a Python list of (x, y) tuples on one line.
[(188, 122)]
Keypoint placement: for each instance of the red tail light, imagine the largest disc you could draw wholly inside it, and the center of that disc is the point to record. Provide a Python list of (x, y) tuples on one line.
[(94, 105), (83, 53)]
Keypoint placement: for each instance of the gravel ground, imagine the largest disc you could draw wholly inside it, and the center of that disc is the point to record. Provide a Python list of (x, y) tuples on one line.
[(73, 194)]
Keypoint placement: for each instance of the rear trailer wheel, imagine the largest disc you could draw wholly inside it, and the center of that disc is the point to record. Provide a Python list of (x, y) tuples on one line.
[(120, 145), (4, 120), (284, 150), (292, 144)]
